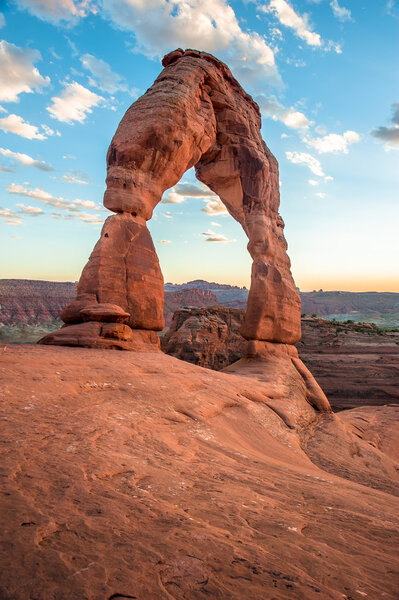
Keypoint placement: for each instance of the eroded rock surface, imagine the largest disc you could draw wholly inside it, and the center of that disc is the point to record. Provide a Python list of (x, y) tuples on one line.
[(195, 114), (355, 363), (129, 477)]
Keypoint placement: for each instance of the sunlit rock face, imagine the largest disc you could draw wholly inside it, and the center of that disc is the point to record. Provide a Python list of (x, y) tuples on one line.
[(195, 114)]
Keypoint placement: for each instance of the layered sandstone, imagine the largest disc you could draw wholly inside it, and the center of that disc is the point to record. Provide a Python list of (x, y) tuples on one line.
[(355, 363), (195, 114)]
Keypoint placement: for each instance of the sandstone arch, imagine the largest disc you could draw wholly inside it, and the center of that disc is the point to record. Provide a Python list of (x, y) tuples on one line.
[(195, 114)]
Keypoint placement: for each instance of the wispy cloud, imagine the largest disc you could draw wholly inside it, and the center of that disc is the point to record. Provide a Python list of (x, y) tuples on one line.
[(303, 158), (16, 124), (271, 107), (10, 217), (57, 11), (340, 12), (74, 103), (333, 142), (210, 25), (49, 199), (298, 23), (102, 76), (214, 206), (211, 236), (17, 72), (77, 177), (33, 211), (26, 160)]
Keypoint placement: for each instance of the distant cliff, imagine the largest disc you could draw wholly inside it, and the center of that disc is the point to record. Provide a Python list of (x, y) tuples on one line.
[(31, 302), (25, 301), (356, 364)]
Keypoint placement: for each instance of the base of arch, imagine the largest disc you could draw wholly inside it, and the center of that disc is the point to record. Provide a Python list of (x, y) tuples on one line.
[(112, 336)]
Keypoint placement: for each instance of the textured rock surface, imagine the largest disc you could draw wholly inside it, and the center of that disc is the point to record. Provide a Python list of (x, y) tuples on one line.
[(195, 114), (125, 477), (355, 364), (192, 297), (208, 338)]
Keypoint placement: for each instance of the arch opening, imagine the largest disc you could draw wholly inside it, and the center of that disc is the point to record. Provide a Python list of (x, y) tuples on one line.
[(195, 115)]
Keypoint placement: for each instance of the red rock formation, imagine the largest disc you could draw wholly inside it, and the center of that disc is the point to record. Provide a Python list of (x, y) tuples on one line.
[(206, 337), (191, 297), (196, 113), (356, 364), (131, 475)]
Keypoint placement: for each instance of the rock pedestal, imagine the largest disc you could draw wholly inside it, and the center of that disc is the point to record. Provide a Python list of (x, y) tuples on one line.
[(195, 114)]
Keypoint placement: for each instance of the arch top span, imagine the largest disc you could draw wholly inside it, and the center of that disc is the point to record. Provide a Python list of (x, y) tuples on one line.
[(194, 115)]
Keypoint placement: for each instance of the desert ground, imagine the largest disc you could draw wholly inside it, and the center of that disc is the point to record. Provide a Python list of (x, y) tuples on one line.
[(137, 475)]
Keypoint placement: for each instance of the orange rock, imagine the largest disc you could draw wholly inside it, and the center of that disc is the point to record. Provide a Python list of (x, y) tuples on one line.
[(195, 114), (104, 312)]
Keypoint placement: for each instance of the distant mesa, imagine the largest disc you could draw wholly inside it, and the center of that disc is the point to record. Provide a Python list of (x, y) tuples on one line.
[(195, 114)]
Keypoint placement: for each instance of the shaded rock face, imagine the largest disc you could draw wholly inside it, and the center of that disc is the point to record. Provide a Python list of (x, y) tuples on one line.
[(195, 114), (356, 364), (192, 297), (206, 337)]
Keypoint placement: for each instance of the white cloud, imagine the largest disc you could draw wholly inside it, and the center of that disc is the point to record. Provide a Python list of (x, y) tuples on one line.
[(26, 160), (211, 236), (10, 217), (102, 76), (167, 215), (342, 13), (16, 124), (214, 206), (58, 10), (49, 199), (165, 242), (214, 224), (303, 158), (89, 218), (313, 182), (48, 131), (184, 190), (321, 194), (271, 107), (73, 179), (173, 198), (74, 103), (333, 142), (18, 73), (33, 211), (211, 25), (288, 17)]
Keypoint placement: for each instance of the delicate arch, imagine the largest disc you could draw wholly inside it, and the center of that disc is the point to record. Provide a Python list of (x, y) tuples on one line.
[(195, 114)]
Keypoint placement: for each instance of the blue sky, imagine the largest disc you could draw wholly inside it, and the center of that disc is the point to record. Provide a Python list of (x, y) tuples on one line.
[(324, 73)]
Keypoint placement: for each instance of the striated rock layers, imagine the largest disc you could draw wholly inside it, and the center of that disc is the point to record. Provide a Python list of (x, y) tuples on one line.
[(195, 114), (356, 364)]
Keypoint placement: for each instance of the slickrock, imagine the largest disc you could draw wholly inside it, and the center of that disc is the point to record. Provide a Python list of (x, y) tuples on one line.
[(195, 114), (355, 363), (136, 475)]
